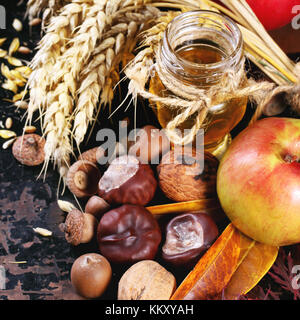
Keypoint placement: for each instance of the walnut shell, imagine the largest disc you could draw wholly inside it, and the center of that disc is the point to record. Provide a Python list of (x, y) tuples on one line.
[(146, 280), (29, 149), (183, 176)]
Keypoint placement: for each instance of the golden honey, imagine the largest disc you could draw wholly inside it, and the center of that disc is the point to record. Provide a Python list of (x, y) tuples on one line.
[(198, 58)]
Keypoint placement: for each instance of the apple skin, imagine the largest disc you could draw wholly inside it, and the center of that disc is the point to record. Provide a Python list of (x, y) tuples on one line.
[(258, 188), (273, 14)]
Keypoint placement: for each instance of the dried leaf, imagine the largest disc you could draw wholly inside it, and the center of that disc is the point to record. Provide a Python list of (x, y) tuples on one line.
[(255, 261), (214, 270)]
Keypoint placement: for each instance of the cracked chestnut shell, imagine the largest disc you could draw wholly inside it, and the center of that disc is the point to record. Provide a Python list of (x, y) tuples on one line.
[(127, 181), (128, 234), (188, 175), (188, 236)]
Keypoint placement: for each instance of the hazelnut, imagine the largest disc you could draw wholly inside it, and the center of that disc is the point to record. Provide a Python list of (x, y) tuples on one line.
[(150, 145), (82, 178), (90, 275), (188, 175), (29, 149), (92, 155), (127, 181), (96, 206), (146, 280), (79, 227)]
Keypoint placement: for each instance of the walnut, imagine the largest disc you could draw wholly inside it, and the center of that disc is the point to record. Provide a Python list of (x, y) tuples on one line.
[(188, 175)]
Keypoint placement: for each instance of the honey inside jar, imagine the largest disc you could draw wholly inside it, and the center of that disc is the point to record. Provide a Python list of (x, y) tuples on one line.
[(198, 59)]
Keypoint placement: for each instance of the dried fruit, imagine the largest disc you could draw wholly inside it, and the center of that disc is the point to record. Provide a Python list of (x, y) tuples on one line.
[(127, 181), (79, 227), (82, 178), (146, 280), (188, 236), (128, 234), (29, 149), (188, 175), (90, 275)]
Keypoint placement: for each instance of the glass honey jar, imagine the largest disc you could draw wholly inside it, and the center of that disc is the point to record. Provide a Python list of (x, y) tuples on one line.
[(197, 48)]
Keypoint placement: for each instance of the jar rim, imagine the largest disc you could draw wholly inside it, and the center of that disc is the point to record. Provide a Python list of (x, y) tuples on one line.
[(228, 22)]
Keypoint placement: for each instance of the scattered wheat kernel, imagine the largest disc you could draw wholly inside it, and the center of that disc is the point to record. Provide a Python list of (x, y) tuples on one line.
[(14, 46), (21, 104), (43, 232), (8, 123), (29, 129), (24, 50), (35, 22), (65, 205), (8, 143), (17, 24), (14, 61), (2, 40), (3, 53), (6, 134)]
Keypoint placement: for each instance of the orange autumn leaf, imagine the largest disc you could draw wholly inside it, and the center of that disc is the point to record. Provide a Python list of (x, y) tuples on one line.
[(214, 270), (252, 266)]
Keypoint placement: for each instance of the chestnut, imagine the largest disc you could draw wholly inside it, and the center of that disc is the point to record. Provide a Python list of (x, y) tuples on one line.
[(90, 275), (128, 234), (96, 206), (188, 236), (127, 181)]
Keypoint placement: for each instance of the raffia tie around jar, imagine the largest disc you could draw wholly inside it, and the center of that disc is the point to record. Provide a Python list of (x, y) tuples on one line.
[(192, 99)]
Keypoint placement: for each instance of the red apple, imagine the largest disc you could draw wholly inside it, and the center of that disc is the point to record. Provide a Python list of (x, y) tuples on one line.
[(258, 181), (273, 13)]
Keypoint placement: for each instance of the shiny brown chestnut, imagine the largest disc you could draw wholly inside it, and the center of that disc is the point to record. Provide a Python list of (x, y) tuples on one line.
[(127, 181), (128, 234), (188, 236)]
